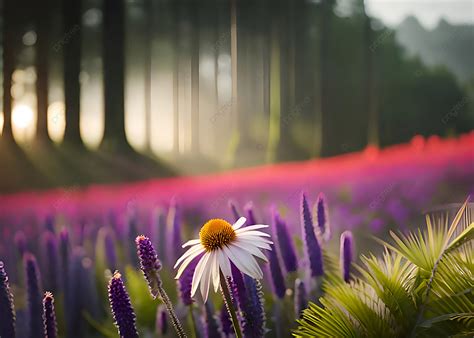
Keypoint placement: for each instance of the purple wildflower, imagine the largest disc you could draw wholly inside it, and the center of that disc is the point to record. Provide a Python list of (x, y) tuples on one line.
[(50, 244), (49, 316), (122, 310), (7, 311), (49, 223), (20, 242), (238, 286), (161, 321), (323, 217), (346, 254), (226, 322), (301, 297), (277, 275), (313, 248), (212, 327), (110, 253), (185, 283), (64, 253), (34, 295), (254, 315), (174, 226), (285, 243), (149, 263), (250, 213), (233, 209)]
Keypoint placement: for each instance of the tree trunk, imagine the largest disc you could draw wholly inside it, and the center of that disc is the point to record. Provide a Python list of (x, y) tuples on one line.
[(8, 66), (371, 104), (114, 69), (195, 80), (326, 118), (176, 43), (148, 70), (72, 68), (42, 20)]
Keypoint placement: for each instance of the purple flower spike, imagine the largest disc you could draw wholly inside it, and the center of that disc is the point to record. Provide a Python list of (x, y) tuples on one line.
[(122, 310), (51, 256), (212, 327), (34, 295), (20, 242), (149, 264), (322, 217), (313, 249), (233, 209), (64, 253), (110, 253), (7, 311), (254, 314), (238, 286), (301, 297), (174, 226), (346, 254), (49, 316), (226, 322), (250, 214), (161, 321), (185, 283), (285, 243), (277, 275)]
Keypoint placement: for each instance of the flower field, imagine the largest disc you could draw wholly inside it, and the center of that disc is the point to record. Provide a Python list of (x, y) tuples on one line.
[(106, 254)]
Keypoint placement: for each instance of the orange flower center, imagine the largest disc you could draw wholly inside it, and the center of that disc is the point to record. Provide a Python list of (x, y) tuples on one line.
[(216, 233)]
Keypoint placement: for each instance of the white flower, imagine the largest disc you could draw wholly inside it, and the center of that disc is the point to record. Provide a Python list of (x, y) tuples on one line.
[(219, 244)]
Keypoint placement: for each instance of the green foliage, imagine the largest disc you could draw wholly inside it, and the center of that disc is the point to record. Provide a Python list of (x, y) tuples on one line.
[(422, 286)]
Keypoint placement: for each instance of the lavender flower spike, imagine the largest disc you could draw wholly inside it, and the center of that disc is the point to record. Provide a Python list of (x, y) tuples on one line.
[(7, 311), (323, 217), (313, 248), (150, 266), (250, 213), (122, 310), (277, 276), (346, 254), (301, 297), (161, 321), (285, 242), (34, 295), (233, 209), (49, 316), (185, 283), (254, 316)]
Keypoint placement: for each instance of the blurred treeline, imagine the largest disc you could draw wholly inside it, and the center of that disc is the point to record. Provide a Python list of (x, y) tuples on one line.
[(293, 80)]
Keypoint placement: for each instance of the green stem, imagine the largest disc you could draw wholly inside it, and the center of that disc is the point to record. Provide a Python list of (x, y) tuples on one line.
[(169, 306), (229, 305), (193, 322)]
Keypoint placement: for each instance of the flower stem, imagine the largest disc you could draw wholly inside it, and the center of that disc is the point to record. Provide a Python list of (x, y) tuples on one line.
[(169, 306), (229, 305)]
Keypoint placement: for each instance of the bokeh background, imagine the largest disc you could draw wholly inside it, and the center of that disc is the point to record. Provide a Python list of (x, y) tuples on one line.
[(139, 116)]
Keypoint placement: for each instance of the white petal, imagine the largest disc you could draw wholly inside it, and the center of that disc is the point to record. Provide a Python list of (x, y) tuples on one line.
[(248, 260), (189, 252), (253, 233), (252, 239), (251, 249), (206, 277), (252, 227), (215, 271), (241, 221), (243, 261), (191, 242), (200, 267), (224, 263), (187, 262)]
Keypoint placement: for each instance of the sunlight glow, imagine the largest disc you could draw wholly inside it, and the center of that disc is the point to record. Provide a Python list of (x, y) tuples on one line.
[(1, 122), (56, 121), (22, 116)]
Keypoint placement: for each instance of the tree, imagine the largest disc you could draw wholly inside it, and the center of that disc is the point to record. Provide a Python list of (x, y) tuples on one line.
[(72, 68), (42, 21), (8, 66), (114, 69)]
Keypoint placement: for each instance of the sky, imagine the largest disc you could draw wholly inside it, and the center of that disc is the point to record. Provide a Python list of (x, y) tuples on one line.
[(428, 12)]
